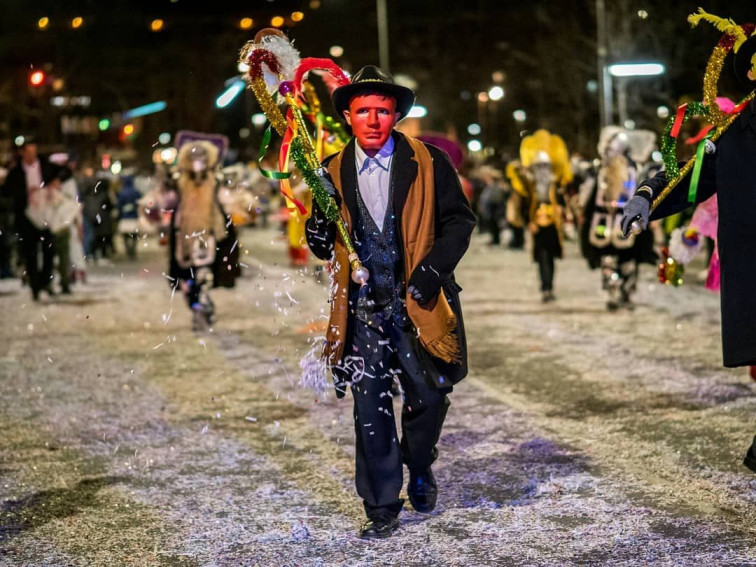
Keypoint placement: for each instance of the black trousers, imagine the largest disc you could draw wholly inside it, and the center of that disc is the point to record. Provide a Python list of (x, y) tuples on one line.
[(376, 358), (31, 244), (545, 261)]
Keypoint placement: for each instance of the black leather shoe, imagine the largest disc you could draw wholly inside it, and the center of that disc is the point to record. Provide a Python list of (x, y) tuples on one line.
[(422, 490), (379, 528)]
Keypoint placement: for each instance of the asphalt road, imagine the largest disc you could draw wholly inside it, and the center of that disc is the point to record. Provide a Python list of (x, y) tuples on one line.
[(581, 437)]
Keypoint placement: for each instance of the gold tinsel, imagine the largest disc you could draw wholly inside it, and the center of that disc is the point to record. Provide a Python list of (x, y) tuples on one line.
[(268, 105), (309, 150), (710, 86)]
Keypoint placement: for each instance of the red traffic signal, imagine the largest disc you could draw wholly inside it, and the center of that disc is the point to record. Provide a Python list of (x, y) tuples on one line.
[(37, 78)]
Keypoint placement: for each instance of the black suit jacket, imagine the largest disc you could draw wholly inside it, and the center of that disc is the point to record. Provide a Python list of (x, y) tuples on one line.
[(455, 222), (15, 186)]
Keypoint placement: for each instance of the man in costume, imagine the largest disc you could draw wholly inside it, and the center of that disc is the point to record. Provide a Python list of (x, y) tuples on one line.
[(727, 168), (201, 255), (603, 243), (538, 181), (411, 222)]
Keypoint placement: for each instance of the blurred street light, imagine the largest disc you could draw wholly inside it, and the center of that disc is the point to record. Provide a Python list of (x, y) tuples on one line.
[(277, 21), (157, 25), (417, 111), (636, 69), (37, 78), (103, 124), (230, 93), (662, 112), (259, 119), (520, 115), (336, 51), (474, 145), (297, 16), (77, 22), (43, 23), (482, 97), (164, 138), (624, 72), (473, 129), (496, 93), (498, 76), (246, 23)]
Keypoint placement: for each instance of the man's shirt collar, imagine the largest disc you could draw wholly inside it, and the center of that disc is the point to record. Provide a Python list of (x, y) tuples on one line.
[(382, 159)]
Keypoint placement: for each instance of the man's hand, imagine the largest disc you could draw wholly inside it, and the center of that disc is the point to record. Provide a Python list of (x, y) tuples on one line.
[(639, 207), (330, 189), (424, 284)]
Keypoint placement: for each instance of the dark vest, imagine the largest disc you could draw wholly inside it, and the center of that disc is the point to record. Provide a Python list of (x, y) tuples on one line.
[(379, 251)]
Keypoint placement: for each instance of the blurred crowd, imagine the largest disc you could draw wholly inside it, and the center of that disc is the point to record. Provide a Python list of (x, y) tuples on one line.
[(59, 216)]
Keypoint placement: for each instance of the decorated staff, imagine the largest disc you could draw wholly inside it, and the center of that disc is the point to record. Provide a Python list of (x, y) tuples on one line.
[(728, 169), (733, 40), (272, 62)]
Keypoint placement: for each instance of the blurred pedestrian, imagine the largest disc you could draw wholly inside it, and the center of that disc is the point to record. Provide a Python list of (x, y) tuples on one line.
[(492, 202), (128, 215), (97, 208), (26, 183), (6, 227)]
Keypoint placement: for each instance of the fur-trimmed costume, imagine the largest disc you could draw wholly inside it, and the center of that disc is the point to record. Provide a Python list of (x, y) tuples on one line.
[(203, 248)]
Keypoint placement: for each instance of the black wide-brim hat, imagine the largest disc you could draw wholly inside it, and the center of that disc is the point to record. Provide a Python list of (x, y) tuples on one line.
[(371, 79), (743, 63)]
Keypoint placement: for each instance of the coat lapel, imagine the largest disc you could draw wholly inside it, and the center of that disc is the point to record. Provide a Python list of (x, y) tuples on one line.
[(349, 185), (404, 172)]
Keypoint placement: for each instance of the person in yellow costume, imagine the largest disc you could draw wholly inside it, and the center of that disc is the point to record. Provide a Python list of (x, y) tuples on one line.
[(538, 182)]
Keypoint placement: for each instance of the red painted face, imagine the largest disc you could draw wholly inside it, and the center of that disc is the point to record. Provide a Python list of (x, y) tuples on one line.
[(372, 118)]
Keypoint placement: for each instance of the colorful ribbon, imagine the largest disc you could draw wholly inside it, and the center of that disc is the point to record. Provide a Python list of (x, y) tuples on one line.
[(696, 175)]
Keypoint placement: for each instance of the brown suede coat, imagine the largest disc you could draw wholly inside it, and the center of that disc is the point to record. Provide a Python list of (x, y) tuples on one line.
[(435, 322)]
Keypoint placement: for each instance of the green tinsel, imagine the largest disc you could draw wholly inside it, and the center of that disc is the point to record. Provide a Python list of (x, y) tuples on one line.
[(321, 196), (669, 144)]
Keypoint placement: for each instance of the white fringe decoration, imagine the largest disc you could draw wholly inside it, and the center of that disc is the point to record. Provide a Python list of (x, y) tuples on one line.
[(314, 369)]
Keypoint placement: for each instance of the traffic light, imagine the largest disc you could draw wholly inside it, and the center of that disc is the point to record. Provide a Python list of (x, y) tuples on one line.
[(128, 132), (37, 78)]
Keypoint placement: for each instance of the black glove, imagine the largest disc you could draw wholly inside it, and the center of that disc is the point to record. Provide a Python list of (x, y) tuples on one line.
[(424, 284), (639, 207), (330, 189)]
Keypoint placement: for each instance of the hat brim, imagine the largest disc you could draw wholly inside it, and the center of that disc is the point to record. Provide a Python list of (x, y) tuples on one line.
[(743, 62), (404, 97)]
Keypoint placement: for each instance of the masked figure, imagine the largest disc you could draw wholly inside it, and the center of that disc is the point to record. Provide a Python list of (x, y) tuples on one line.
[(604, 246), (538, 181), (199, 226), (411, 224)]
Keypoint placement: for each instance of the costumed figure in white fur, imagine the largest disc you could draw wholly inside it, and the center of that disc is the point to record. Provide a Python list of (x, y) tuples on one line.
[(198, 226)]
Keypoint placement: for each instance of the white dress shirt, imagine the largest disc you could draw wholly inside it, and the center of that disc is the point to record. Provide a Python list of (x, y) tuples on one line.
[(33, 174), (374, 177)]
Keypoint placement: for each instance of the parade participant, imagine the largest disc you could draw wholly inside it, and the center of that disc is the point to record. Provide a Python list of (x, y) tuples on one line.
[(603, 243), (26, 183), (198, 229), (411, 223), (726, 168), (538, 180)]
